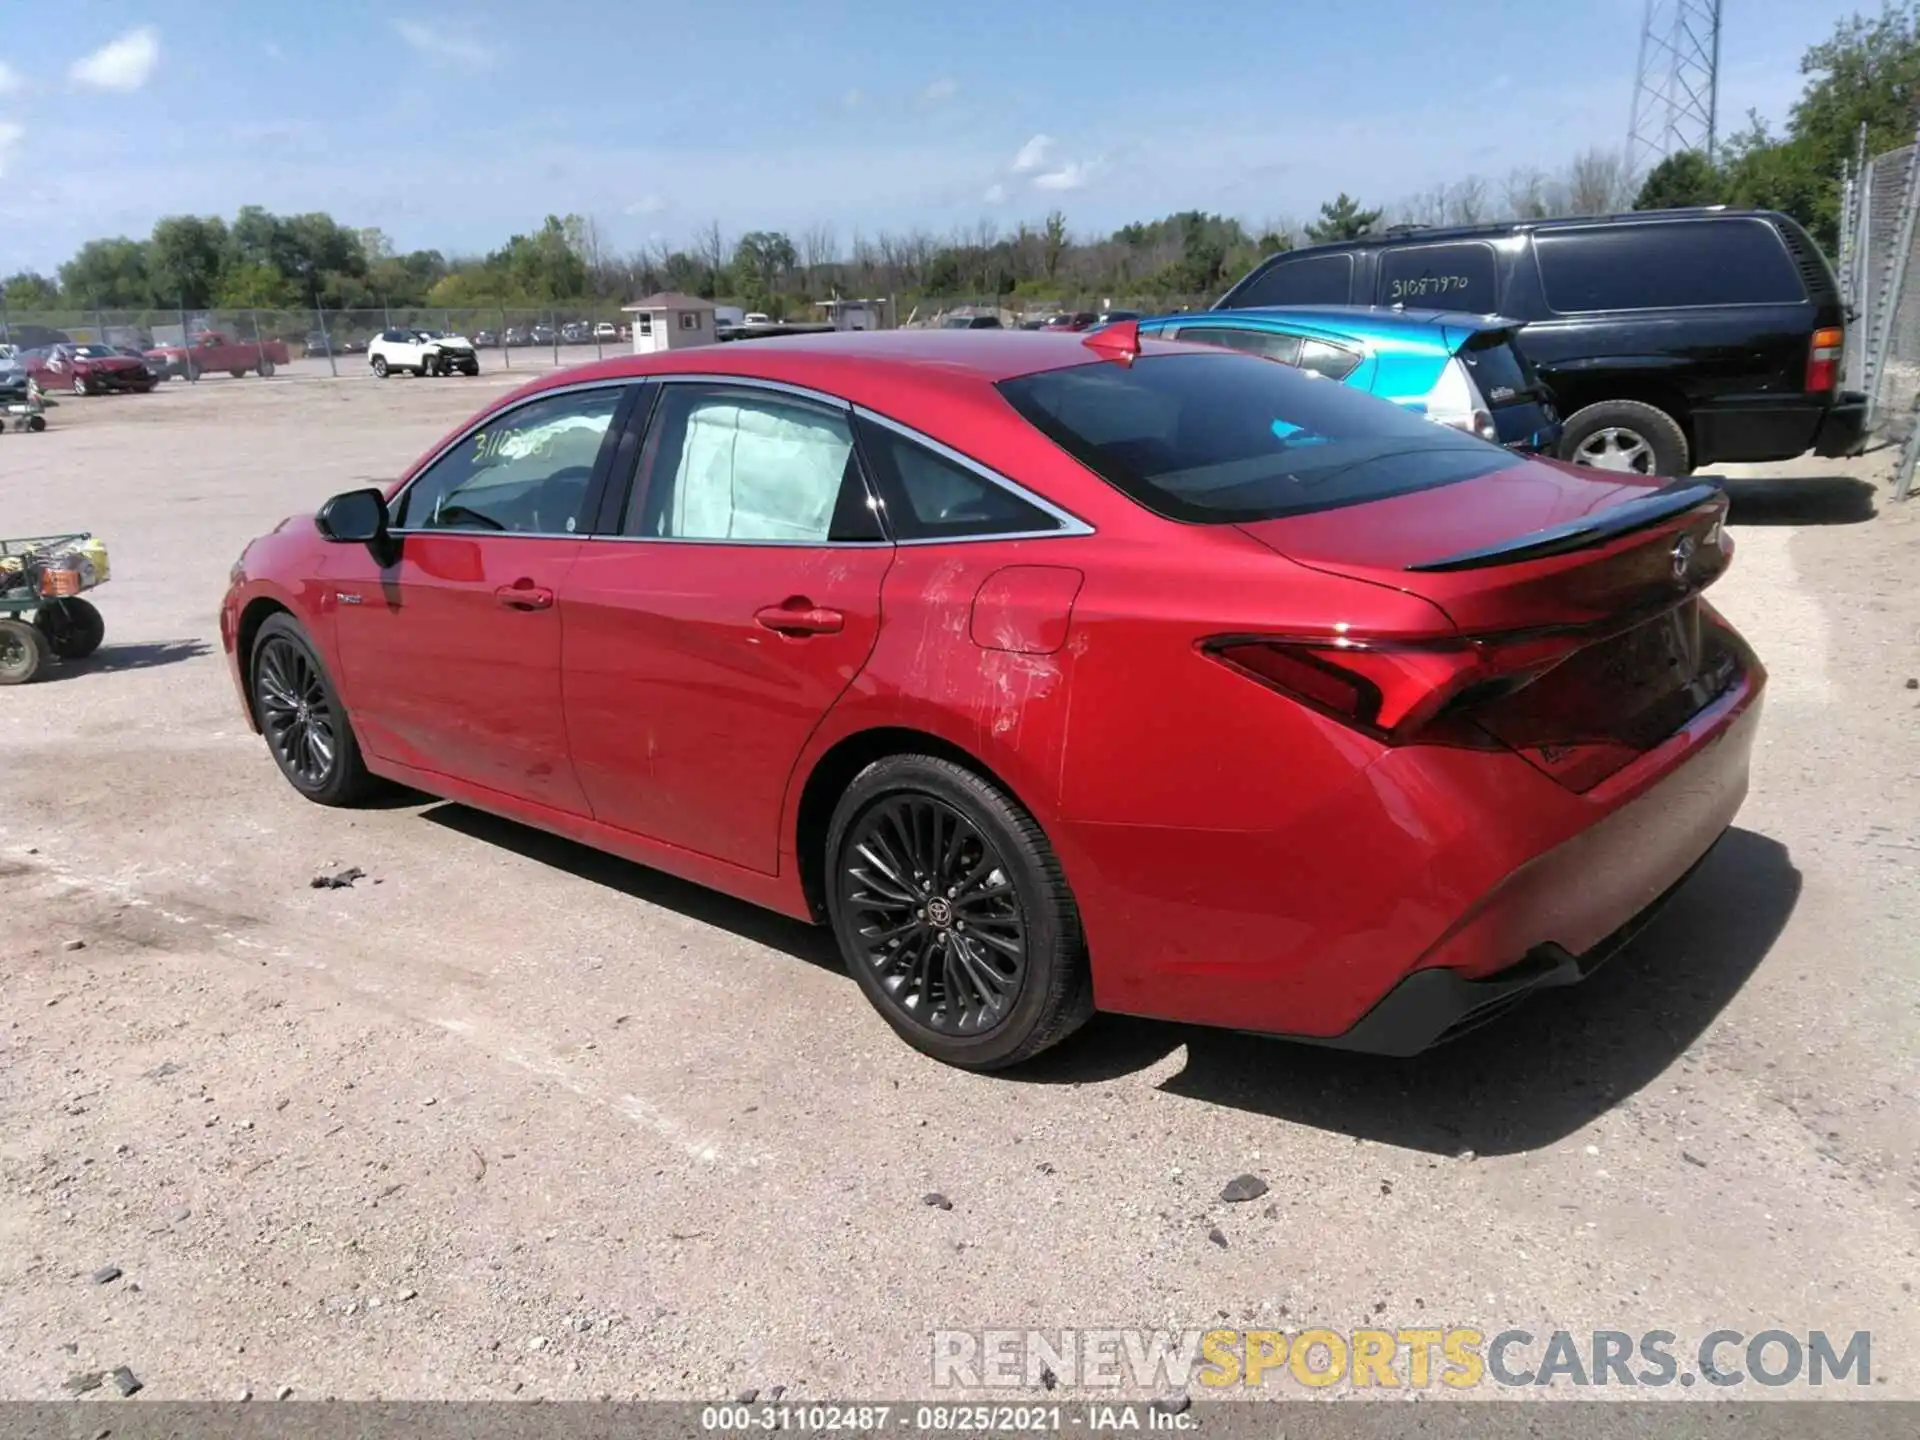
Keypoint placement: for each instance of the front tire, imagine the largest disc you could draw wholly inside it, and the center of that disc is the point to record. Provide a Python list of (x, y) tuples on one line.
[(73, 628), (1628, 437), (379, 367), (301, 717), (953, 914), (80, 386), (23, 650)]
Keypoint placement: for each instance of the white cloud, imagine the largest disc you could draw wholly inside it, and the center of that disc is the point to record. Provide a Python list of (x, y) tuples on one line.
[(852, 100), (10, 79), (996, 194), (122, 64), (945, 88), (11, 134), (1074, 175), (647, 205), (1032, 155), (439, 45)]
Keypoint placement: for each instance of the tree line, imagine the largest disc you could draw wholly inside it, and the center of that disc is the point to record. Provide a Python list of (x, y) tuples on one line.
[(1867, 73)]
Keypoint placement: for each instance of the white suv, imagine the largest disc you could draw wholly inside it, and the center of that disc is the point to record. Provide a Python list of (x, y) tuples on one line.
[(424, 352)]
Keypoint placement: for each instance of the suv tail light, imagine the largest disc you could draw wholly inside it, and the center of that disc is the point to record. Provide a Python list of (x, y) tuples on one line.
[(1455, 401), (1823, 359)]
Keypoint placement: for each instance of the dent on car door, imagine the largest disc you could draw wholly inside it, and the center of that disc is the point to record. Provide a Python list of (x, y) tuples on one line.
[(449, 643), (736, 600)]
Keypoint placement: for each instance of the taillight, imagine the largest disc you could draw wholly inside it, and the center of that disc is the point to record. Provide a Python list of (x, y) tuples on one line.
[(1390, 689), (1456, 402), (1823, 358)]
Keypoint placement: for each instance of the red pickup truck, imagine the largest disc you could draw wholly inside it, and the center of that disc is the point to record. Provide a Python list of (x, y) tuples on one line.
[(212, 350)]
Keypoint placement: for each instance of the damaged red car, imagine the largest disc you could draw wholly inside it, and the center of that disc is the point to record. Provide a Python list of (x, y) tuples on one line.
[(1054, 673), (86, 369)]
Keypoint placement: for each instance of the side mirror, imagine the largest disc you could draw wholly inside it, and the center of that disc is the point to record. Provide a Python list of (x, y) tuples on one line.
[(357, 517)]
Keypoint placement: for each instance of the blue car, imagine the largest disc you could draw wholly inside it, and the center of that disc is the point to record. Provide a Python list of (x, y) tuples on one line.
[(1460, 370)]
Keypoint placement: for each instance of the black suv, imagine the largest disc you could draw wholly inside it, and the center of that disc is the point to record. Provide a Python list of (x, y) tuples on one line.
[(1671, 338)]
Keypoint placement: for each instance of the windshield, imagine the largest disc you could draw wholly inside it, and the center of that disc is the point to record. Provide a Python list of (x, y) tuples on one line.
[(93, 352), (1230, 438)]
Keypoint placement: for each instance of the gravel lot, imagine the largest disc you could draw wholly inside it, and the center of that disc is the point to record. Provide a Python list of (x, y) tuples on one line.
[(511, 1118)]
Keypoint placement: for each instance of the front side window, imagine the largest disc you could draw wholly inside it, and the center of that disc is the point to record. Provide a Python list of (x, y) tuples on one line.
[(1272, 344), (930, 496), (1221, 439), (1438, 277), (745, 464), (525, 472)]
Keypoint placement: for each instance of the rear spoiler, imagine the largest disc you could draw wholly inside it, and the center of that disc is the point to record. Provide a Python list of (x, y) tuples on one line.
[(1674, 498)]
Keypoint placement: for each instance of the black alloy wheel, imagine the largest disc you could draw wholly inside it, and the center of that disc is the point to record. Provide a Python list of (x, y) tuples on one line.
[(953, 914), (936, 913), (294, 712)]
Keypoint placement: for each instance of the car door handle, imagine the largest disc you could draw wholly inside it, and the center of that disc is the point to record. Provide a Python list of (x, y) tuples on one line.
[(522, 595), (800, 617)]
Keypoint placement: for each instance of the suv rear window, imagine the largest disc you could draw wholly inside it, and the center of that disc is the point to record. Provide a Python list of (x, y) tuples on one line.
[(1301, 280), (1667, 264), (1223, 439), (1438, 277)]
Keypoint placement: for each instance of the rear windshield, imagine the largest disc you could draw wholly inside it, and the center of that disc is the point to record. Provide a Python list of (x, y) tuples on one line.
[(1224, 438), (1498, 370)]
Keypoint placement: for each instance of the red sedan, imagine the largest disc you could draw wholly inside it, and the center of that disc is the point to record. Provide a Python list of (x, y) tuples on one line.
[(86, 369), (1055, 673)]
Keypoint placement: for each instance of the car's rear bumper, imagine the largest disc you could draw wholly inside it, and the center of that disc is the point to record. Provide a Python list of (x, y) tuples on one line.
[(1843, 431)]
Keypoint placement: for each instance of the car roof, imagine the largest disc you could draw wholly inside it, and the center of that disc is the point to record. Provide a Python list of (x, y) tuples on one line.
[(1494, 229)]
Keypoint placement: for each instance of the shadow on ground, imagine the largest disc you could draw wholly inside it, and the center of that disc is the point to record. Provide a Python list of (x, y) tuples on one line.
[(1801, 500), (1537, 1075), (1540, 1073), (110, 658), (811, 943)]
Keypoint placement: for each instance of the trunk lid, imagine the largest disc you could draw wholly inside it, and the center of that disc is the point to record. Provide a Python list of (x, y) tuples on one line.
[(1577, 593)]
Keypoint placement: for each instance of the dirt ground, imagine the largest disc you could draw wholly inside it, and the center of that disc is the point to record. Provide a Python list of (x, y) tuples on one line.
[(511, 1118)]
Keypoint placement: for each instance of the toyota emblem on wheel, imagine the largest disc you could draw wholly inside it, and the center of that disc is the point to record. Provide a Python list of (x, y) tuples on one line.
[(1682, 559)]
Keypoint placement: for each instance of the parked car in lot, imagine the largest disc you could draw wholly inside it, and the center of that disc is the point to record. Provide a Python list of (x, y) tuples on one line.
[(424, 352), (541, 335), (519, 335), (1460, 370), (971, 322), (214, 350), (576, 332), (155, 367), (86, 369), (606, 330), (1073, 320), (1671, 339), (1051, 672)]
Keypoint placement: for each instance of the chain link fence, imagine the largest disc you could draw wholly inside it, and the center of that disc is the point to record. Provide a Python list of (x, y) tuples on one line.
[(1879, 273)]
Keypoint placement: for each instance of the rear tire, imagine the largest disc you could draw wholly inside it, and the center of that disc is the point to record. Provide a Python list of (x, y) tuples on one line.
[(953, 914), (266, 368), (1627, 436), (300, 715), (73, 628), (23, 650)]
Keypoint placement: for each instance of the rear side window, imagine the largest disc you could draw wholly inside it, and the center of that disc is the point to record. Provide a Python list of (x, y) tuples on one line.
[(1270, 344), (1323, 357), (930, 496), (1438, 277), (1301, 280), (1220, 439), (1671, 264)]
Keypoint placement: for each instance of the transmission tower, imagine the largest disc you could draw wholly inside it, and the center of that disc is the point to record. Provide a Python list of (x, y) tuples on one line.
[(1676, 99)]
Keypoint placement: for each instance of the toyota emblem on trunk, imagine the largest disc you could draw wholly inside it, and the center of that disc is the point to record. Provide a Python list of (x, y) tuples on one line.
[(1682, 559)]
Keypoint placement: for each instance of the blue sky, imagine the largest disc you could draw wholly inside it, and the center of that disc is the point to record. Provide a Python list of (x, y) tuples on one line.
[(450, 126)]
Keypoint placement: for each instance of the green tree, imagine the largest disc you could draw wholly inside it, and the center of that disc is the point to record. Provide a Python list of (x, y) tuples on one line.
[(1053, 243), (107, 273), (30, 290), (185, 258), (1342, 219), (763, 256), (1684, 178), (252, 286), (541, 267)]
